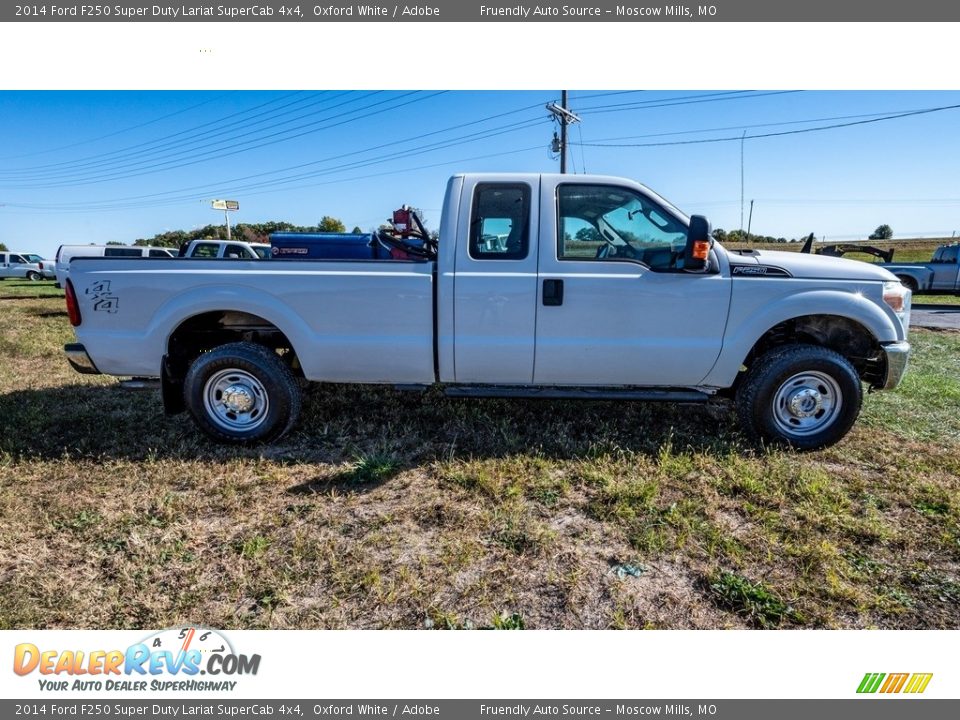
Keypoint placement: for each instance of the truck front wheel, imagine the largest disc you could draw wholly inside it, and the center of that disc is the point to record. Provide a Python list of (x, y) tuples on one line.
[(804, 396), (242, 393)]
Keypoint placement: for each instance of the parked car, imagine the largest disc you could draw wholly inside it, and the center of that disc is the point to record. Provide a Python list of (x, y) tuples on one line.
[(641, 305), (65, 253), (230, 249), (46, 266), (15, 265), (940, 276)]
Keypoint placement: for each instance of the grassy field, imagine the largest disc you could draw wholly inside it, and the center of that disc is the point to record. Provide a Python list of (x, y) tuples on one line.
[(386, 509)]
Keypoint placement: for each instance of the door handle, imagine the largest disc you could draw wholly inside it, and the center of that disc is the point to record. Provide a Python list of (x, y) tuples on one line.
[(553, 292)]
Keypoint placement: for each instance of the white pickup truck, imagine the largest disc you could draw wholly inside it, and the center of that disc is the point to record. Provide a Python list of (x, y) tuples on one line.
[(599, 289)]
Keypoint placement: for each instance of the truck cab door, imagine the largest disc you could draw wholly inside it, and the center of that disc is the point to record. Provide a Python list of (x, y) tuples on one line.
[(945, 269), (615, 306), (495, 282)]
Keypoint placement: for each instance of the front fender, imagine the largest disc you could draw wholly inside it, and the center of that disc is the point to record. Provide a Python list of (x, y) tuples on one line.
[(747, 325)]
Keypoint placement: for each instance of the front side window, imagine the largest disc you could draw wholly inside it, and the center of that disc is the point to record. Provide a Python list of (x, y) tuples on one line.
[(17, 259), (500, 223), (605, 222), (949, 254)]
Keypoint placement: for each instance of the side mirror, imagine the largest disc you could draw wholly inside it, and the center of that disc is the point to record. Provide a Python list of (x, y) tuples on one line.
[(697, 252)]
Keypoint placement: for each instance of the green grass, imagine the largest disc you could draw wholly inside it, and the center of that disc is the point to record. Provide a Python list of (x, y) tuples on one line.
[(16, 289), (387, 509)]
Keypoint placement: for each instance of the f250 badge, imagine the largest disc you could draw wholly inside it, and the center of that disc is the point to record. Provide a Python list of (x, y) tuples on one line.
[(103, 299), (759, 270)]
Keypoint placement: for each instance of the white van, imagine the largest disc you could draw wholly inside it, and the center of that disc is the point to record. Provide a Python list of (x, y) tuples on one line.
[(15, 265), (66, 252)]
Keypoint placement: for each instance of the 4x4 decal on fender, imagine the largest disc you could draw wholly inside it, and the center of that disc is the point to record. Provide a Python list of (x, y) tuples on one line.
[(103, 299)]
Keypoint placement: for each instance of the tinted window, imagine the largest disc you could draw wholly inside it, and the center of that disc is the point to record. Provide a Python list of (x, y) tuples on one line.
[(235, 252), (605, 222), (500, 222), (16, 259), (205, 250), (122, 252), (160, 253)]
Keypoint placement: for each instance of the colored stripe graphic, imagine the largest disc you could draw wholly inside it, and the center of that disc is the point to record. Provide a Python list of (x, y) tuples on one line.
[(870, 682), (894, 683), (918, 683)]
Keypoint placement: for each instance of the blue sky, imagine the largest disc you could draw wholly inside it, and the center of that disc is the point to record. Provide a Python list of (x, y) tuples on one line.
[(79, 167)]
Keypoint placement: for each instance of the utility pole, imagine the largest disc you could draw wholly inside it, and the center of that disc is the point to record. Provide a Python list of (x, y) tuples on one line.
[(750, 221), (564, 117)]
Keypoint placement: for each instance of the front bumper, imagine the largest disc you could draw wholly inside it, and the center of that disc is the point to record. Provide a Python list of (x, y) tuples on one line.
[(897, 357), (78, 358)]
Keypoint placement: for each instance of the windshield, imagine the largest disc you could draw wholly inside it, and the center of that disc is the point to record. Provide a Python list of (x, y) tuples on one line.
[(33, 258)]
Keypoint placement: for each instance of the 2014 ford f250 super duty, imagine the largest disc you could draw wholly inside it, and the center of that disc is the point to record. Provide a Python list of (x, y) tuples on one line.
[(547, 286)]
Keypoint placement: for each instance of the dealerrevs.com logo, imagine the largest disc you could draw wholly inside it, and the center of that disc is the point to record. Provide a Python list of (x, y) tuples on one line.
[(189, 658)]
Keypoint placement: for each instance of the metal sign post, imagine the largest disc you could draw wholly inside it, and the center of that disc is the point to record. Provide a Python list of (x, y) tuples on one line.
[(226, 206)]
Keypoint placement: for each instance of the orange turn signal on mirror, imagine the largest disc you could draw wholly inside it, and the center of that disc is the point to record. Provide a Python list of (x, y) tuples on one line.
[(701, 250)]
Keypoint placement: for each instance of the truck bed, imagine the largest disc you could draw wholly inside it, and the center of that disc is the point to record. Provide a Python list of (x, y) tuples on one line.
[(348, 321)]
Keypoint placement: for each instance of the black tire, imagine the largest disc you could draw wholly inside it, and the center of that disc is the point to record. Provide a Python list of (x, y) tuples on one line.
[(804, 396), (33, 276), (264, 397)]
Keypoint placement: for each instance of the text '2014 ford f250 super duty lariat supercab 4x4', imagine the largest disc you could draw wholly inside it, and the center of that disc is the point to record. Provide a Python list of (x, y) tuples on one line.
[(543, 286)]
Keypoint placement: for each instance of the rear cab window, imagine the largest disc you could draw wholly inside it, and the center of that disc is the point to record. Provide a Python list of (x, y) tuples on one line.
[(500, 222), (205, 250)]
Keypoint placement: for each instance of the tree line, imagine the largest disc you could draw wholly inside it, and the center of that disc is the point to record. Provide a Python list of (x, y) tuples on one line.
[(245, 232)]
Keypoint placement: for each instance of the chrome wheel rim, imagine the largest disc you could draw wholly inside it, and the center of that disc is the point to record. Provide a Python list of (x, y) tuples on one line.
[(235, 400), (807, 403)]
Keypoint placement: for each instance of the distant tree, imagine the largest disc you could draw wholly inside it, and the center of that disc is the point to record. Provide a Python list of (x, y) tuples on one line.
[(4, 248), (356, 230), (587, 234), (115, 242), (883, 232), (720, 234), (331, 224)]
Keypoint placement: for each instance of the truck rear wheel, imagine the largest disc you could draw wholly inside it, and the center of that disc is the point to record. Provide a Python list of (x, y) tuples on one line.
[(804, 396), (242, 393)]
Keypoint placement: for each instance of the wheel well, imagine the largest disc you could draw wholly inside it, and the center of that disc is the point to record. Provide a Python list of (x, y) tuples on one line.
[(845, 336), (201, 333), (908, 281)]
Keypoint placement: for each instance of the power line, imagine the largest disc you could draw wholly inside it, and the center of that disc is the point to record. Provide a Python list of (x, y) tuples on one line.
[(112, 134), (777, 134), (78, 169), (152, 142), (431, 147), (251, 145), (223, 184), (747, 127), (683, 100)]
